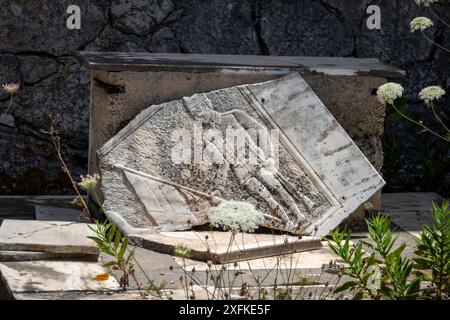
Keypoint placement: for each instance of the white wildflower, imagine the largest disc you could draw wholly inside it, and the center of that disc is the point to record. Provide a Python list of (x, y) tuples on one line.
[(426, 3), (89, 182), (420, 23), (431, 93), (387, 93), (236, 216), (11, 88)]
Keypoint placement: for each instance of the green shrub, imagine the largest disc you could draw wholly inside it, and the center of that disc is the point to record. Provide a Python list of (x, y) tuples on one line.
[(433, 251)]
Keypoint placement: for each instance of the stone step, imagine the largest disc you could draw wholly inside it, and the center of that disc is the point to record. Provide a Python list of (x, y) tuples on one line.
[(47, 236), (216, 248), (19, 278)]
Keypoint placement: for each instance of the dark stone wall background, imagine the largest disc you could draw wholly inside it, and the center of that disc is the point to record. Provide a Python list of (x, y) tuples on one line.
[(36, 50)]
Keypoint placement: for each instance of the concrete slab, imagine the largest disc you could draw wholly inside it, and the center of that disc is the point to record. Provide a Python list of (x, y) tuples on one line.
[(409, 201), (47, 236), (410, 211), (411, 221), (216, 247), (52, 276)]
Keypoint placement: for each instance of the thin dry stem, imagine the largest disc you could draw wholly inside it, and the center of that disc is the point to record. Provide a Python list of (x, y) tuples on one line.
[(53, 132)]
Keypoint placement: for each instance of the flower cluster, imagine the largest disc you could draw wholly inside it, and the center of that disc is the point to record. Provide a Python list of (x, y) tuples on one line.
[(236, 216), (387, 93), (89, 182), (426, 3), (420, 24), (431, 93), (11, 88)]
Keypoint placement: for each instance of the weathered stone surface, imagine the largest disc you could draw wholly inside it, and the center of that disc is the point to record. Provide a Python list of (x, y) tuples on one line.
[(45, 213), (53, 276), (442, 58), (394, 42), (419, 76), (111, 39), (350, 11), (29, 165), (139, 17), (47, 236), (9, 73), (66, 94), (163, 40), (40, 26), (36, 68), (332, 177), (352, 102), (303, 28), (231, 31), (7, 120)]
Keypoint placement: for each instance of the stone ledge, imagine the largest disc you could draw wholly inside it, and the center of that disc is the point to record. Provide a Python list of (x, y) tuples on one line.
[(138, 61), (47, 236), (247, 246)]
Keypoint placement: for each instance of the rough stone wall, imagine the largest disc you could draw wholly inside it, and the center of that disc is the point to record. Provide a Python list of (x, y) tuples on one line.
[(36, 50)]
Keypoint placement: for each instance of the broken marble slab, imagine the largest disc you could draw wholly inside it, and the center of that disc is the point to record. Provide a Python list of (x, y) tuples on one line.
[(321, 179), (47, 236), (215, 245), (52, 276), (162, 202), (46, 213)]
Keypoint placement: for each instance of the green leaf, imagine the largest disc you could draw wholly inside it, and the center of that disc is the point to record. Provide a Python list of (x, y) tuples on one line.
[(397, 252), (111, 232), (359, 295), (414, 287), (123, 249), (110, 264), (387, 292), (117, 237), (346, 286)]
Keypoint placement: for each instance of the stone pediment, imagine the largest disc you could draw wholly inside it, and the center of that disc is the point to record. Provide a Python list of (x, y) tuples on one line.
[(273, 144)]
